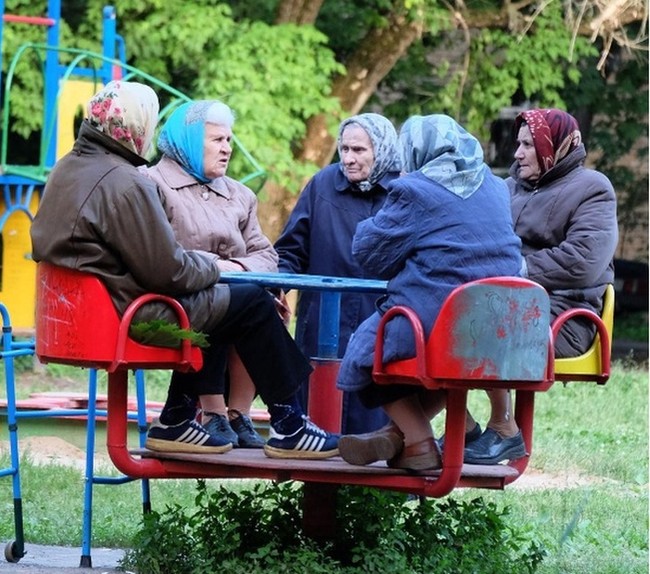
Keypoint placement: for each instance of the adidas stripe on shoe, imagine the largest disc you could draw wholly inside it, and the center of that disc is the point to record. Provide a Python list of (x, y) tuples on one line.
[(188, 436), (308, 442)]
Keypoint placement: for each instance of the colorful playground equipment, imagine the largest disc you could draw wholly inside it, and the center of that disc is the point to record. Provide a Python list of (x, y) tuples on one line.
[(494, 333), (70, 77)]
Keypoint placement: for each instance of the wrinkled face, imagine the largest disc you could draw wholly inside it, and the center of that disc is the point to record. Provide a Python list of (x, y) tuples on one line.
[(526, 156), (216, 150), (357, 154)]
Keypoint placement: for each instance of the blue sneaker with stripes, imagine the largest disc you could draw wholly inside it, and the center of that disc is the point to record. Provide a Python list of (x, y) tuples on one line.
[(187, 437), (309, 441)]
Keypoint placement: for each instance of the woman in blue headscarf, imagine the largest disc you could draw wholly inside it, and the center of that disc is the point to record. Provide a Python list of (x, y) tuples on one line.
[(445, 223), (212, 212)]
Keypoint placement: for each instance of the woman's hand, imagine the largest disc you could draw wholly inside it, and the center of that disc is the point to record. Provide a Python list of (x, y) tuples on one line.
[(282, 306)]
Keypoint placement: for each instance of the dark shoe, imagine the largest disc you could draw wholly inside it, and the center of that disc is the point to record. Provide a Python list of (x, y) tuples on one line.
[(382, 444), (219, 427), (492, 448), (309, 441), (423, 455), (187, 436), (470, 437), (246, 433)]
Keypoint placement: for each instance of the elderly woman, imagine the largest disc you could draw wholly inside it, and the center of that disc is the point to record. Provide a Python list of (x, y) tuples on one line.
[(445, 223), (565, 216), (212, 212), (317, 238), (100, 215)]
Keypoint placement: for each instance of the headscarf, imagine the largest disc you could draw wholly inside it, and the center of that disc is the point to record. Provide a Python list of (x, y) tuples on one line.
[(555, 134), (383, 137), (127, 112), (181, 138), (443, 151)]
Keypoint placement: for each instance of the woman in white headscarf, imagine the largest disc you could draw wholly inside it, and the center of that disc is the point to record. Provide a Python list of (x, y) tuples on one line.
[(445, 223), (317, 239)]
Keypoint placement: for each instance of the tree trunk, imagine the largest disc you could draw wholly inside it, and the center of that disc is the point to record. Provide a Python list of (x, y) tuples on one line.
[(375, 57), (298, 11)]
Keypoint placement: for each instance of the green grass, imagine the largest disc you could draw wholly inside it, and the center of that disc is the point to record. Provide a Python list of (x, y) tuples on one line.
[(589, 507), (631, 326)]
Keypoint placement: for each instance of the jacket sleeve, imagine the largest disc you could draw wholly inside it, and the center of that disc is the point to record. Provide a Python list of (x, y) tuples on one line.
[(383, 243), (136, 227), (589, 245), (293, 244), (260, 255)]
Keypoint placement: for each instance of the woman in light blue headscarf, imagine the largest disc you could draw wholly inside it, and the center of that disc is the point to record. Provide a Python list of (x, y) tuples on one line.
[(212, 212), (445, 223)]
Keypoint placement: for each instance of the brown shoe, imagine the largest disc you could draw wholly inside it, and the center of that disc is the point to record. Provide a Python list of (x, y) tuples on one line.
[(382, 444), (423, 455)]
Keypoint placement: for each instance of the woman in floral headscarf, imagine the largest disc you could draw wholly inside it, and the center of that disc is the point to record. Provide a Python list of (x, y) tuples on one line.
[(100, 215), (565, 216), (445, 223)]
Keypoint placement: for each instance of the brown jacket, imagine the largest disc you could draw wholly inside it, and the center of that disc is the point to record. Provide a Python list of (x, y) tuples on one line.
[(100, 215)]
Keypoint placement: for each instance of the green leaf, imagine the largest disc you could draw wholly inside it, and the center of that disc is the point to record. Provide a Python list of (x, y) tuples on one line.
[(159, 333)]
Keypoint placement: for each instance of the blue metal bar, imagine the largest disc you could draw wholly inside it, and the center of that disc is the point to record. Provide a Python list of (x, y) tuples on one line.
[(18, 547), (328, 325), (108, 43), (330, 289), (86, 529), (305, 282), (51, 84), (141, 400)]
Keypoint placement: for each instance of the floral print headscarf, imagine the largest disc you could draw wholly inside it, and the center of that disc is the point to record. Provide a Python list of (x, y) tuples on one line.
[(127, 112), (443, 151), (555, 133), (383, 136)]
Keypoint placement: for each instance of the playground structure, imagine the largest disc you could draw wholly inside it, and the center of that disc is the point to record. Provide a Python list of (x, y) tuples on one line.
[(522, 361), (70, 77)]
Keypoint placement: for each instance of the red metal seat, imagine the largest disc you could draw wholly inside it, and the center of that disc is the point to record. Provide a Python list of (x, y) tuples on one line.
[(77, 324), (491, 333)]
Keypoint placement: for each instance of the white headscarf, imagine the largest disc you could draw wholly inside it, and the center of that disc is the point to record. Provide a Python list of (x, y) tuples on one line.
[(127, 112), (383, 136)]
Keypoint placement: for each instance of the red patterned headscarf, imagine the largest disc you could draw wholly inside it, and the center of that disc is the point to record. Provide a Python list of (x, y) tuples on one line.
[(555, 133)]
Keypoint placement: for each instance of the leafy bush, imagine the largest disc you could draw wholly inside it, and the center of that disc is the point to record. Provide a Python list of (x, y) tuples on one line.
[(260, 530)]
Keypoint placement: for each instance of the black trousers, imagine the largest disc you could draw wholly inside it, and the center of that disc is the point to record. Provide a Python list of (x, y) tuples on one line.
[(267, 350)]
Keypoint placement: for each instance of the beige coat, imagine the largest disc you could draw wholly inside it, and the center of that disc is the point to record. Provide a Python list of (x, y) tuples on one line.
[(219, 217)]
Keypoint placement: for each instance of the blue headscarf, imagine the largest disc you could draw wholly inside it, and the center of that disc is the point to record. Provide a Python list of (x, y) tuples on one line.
[(383, 136), (181, 138), (443, 151)]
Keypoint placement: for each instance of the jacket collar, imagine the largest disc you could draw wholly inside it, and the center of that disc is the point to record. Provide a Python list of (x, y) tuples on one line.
[(91, 136), (343, 185), (574, 159), (176, 178)]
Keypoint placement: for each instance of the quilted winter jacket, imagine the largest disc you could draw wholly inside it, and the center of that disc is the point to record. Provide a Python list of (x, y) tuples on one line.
[(101, 216), (568, 227), (426, 241)]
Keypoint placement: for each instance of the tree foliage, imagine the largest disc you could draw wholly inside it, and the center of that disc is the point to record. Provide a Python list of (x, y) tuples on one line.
[(292, 69)]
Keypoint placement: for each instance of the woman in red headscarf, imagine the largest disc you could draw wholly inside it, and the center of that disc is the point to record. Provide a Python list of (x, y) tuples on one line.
[(565, 215)]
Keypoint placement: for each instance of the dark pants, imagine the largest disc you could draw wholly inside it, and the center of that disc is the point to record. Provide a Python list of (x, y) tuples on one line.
[(266, 349)]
